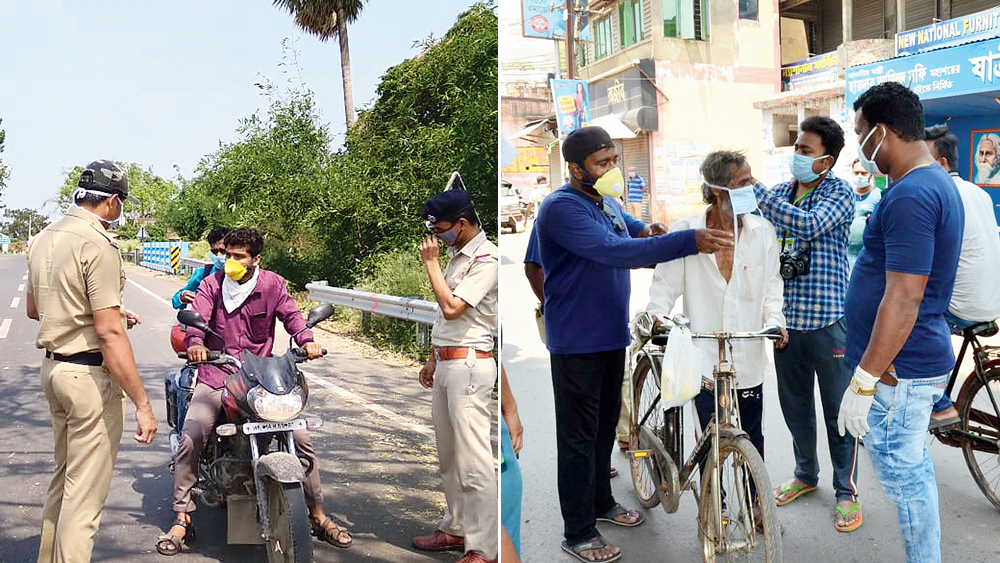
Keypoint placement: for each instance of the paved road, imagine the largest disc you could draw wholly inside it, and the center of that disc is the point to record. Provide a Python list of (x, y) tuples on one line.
[(376, 449), (969, 523)]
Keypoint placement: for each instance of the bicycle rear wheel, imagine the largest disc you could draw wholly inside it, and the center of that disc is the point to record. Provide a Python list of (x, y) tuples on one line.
[(645, 473), (741, 477), (980, 418)]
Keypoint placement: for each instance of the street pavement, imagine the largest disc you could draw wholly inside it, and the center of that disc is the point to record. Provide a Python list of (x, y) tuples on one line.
[(376, 450), (970, 524)]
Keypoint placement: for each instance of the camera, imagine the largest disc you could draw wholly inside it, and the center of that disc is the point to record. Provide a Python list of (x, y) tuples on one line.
[(794, 263)]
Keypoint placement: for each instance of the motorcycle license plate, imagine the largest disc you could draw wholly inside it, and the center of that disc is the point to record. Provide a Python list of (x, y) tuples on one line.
[(261, 427)]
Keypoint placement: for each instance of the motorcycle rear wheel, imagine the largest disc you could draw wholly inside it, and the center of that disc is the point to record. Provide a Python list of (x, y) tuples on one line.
[(290, 534)]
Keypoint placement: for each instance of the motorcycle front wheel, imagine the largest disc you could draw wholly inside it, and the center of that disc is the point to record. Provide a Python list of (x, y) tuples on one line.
[(290, 534)]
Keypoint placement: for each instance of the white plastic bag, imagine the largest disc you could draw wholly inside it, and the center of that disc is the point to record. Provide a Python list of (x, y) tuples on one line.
[(680, 373)]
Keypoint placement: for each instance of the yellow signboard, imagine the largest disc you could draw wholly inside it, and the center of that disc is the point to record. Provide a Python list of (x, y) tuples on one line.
[(530, 159)]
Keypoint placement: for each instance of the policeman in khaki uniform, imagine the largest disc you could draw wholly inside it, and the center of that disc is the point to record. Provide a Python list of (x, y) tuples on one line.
[(76, 282), (462, 372)]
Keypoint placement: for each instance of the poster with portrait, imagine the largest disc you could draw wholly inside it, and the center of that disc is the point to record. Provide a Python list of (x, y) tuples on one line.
[(984, 168), (572, 101)]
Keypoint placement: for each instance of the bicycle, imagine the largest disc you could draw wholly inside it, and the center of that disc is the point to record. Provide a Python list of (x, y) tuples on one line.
[(724, 456), (978, 430)]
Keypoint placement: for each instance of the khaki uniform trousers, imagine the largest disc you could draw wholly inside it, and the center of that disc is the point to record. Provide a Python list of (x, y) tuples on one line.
[(87, 417), (460, 409), (625, 416), (199, 422)]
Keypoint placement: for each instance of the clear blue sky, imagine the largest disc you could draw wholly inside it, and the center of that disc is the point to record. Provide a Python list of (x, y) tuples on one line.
[(163, 83)]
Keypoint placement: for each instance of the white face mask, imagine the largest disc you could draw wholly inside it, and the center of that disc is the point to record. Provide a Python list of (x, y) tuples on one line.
[(861, 181), (869, 163), (112, 223)]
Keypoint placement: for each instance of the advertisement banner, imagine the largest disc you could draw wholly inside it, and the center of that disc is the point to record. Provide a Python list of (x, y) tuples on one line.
[(821, 68), (958, 31), (546, 19), (960, 70), (572, 100)]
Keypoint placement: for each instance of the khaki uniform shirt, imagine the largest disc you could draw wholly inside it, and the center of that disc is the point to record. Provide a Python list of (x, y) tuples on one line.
[(472, 275), (74, 269)]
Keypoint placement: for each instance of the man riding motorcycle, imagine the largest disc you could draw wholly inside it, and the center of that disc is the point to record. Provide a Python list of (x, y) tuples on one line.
[(241, 304)]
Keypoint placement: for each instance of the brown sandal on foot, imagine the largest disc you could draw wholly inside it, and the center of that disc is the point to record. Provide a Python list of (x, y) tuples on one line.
[(331, 535), (168, 544)]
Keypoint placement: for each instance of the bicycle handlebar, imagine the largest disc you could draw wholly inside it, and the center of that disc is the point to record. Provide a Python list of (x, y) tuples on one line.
[(662, 328)]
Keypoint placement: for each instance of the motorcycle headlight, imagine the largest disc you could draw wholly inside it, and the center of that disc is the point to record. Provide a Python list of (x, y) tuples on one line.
[(276, 408)]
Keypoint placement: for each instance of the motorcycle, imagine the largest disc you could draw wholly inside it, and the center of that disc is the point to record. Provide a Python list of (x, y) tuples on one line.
[(249, 464)]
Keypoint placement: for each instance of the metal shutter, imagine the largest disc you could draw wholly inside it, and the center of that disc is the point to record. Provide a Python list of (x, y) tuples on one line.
[(866, 19), (919, 13), (833, 26), (961, 8), (635, 152)]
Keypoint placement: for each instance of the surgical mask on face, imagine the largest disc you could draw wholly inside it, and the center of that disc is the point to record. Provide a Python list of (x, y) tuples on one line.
[(743, 200), (219, 262), (235, 270), (861, 181), (611, 184), (448, 237), (802, 167), (869, 163), (631, 174)]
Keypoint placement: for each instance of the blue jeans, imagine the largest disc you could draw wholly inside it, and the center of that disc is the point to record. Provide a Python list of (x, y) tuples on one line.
[(897, 447), (956, 325)]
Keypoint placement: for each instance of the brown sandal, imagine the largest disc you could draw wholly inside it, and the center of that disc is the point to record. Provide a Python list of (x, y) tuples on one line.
[(331, 535), (169, 545)]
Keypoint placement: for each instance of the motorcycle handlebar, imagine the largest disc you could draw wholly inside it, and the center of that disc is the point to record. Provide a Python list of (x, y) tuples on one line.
[(214, 357), (301, 355)]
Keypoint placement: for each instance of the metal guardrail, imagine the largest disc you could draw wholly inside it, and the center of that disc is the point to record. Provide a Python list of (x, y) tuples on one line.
[(408, 308)]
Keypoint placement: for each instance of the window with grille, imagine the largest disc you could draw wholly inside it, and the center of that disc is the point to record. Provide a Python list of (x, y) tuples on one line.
[(686, 19), (604, 38), (630, 22)]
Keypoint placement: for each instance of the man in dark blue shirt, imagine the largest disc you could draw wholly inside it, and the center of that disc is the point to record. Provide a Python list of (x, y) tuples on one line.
[(897, 335), (587, 247)]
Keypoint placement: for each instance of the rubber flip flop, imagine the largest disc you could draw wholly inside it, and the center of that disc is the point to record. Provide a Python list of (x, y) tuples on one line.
[(595, 543), (612, 472), (786, 488), (620, 510), (849, 527)]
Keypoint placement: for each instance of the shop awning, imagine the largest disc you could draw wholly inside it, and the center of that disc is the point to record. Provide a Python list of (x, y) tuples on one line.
[(532, 129), (613, 126)]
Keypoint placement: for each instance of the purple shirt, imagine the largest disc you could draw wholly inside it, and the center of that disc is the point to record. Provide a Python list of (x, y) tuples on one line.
[(249, 327)]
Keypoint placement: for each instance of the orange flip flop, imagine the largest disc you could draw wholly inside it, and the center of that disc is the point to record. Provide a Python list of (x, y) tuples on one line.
[(849, 527), (788, 487)]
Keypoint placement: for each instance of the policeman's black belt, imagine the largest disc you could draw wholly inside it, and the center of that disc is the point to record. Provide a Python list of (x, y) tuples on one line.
[(83, 358)]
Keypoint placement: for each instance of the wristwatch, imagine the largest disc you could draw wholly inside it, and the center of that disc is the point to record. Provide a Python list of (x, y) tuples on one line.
[(856, 387)]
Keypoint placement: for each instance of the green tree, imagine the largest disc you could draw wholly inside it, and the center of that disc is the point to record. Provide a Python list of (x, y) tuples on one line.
[(22, 223), (327, 19)]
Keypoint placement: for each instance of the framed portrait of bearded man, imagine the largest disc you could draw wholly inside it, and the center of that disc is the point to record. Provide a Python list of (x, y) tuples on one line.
[(984, 167)]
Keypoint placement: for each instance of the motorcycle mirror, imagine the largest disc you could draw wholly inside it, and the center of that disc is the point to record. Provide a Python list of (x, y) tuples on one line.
[(191, 318), (319, 313)]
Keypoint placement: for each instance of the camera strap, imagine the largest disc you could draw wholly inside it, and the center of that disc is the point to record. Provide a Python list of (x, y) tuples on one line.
[(796, 202)]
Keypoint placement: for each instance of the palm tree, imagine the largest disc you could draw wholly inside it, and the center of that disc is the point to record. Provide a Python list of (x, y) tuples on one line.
[(326, 19)]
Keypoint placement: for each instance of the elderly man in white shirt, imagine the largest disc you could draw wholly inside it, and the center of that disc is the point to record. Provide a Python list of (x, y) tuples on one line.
[(715, 299)]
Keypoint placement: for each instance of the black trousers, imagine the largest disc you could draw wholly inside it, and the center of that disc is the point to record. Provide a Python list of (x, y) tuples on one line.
[(587, 391)]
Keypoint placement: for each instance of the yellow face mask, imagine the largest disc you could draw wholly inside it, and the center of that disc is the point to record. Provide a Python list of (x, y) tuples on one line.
[(235, 270)]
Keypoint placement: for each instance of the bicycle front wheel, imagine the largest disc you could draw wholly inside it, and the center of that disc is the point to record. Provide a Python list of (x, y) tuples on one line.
[(645, 473), (737, 517), (980, 418)]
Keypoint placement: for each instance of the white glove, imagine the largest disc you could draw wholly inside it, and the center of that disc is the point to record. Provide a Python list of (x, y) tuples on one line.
[(856, 403)]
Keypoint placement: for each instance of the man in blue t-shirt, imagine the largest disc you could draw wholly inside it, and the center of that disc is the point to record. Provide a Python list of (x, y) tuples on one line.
[(587, 247), (897, 335)]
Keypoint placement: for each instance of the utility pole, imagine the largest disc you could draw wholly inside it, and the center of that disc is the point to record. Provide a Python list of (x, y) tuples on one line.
[(570, 40)]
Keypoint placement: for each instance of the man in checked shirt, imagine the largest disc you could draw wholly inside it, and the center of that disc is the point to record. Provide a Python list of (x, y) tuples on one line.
[(812, 216)]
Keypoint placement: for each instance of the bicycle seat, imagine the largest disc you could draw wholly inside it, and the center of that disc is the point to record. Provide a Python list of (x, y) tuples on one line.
[(981, 329)]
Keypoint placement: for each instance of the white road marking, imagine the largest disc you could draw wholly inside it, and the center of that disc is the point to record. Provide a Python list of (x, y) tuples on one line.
[(24, 277), (151, 294), (400, 420), (20, 288), (14, 303), (5, 327)]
